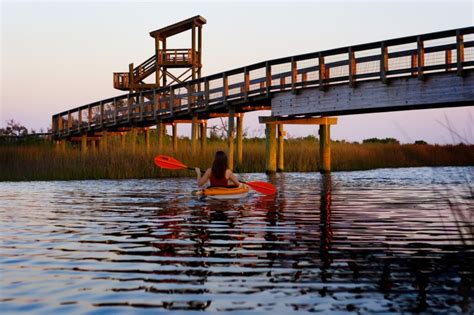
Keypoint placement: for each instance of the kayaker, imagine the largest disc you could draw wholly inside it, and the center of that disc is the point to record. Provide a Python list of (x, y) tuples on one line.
[(219, 175)]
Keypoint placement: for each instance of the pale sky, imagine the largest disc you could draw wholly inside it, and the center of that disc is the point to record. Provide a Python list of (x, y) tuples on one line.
[(57, 55)]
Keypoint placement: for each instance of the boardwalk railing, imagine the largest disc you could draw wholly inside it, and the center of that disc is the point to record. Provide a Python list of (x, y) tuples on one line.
[(446, 51)]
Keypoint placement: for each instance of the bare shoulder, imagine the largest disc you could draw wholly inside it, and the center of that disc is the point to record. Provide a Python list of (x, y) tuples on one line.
[(228, 173)]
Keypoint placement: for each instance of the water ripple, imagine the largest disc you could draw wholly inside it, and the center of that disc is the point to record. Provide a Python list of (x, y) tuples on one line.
[(384, 241)]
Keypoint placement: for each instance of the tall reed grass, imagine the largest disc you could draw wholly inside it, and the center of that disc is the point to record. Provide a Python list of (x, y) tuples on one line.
[(46, 161)]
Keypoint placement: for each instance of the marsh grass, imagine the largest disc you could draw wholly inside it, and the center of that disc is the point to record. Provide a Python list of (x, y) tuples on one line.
[(45, 161)]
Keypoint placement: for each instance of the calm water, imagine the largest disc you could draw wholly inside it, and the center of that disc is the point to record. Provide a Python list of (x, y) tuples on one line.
[(378, 241)]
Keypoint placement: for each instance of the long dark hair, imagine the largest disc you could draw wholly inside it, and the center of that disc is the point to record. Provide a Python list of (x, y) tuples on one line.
[(219, 166)]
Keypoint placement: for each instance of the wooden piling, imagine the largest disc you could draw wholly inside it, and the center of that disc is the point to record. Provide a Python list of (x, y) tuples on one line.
[(324, 148), (133, 139), (203, 135), (122, 140), (194, 126), (93, 146), (84, 144), (159, 133), (104, 141), (280, 148), (240, 137), (147, 140), (175, 137), (230, 139), (270, 148)]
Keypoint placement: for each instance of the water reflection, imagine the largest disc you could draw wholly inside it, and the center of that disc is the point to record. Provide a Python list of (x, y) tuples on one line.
[(361, 241)]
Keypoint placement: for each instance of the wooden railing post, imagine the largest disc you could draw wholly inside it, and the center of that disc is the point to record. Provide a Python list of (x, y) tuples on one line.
[(190, 99), (140, 104), (459, 53), (89, 114), (352, 68), (448, 59), (129, 107), (421, 57), (225, 87), (322, 72), (154, 104), (294, 75), (69, 121), (383, 63), (115, 111), (414, 64), (171, 105), (206, 93), (79, 119), (268, 76), (101, 114), (246, 83)]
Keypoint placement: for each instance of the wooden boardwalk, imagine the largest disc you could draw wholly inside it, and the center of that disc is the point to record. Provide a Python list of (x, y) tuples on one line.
[(283, 84), (423, 71)]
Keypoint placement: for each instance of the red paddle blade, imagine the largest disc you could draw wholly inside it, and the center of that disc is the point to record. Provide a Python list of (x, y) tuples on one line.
[(169, 163), (262, 187)]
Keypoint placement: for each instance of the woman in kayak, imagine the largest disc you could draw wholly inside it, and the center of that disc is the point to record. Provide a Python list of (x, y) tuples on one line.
[(219, 175)]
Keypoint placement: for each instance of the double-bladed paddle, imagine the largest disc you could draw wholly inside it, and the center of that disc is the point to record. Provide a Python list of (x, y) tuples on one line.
[(170, 163)]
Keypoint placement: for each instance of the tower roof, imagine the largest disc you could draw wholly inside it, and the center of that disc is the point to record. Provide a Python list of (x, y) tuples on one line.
[(178, 27)]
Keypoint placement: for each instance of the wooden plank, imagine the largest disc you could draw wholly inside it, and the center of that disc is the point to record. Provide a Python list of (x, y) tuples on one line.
[(440, 90), (297, 121)]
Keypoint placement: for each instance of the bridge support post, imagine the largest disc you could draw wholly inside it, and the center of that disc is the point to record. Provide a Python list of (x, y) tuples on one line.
[(104, 141), (147, 140), (230, 139), (324, 148), (159, 131), (133, 139), (240, 136), (93, 146), (62, 145), (280, 149), (122, 140), (270, 148), (175, 137), (194, 131), (84, 144), (203, 136)]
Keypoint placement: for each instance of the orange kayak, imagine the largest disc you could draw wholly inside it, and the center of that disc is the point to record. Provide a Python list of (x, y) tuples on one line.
[(224, 193)]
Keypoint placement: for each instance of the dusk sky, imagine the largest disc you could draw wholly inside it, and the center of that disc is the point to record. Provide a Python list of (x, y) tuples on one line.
[(60, 55)]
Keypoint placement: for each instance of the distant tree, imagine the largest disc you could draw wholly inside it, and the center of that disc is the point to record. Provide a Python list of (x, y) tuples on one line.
[(13, 129), (383, 141), (420, 142)]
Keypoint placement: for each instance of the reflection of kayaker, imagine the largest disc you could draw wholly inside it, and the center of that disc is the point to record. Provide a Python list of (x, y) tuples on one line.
[(219, 175)]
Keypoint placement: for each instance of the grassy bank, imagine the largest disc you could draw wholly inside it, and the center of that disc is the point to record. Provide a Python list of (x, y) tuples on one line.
[(44, 161)]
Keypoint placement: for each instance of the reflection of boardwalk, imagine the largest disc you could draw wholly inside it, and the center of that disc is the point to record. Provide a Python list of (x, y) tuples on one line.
[(425, 71)]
